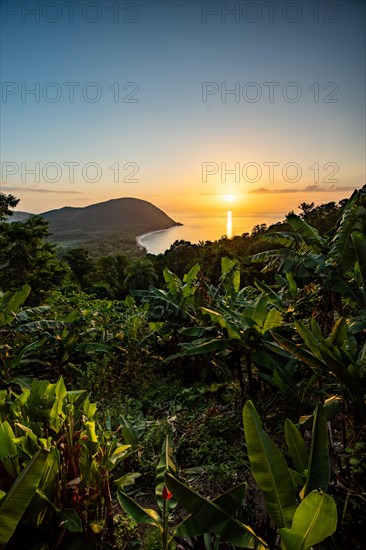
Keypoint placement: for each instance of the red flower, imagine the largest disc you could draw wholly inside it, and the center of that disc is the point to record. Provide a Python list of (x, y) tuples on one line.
[(166, 494)]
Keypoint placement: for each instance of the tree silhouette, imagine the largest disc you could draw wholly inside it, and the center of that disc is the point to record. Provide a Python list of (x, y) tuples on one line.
[(140, 274)]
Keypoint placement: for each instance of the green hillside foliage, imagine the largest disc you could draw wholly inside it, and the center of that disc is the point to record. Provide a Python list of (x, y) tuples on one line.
[(210, 397)]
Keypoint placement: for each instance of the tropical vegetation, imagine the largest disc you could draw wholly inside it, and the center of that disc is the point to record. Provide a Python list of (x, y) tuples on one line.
[(211, 397)]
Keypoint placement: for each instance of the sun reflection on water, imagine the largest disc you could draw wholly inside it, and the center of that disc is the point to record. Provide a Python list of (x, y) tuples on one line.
[(229, 225)]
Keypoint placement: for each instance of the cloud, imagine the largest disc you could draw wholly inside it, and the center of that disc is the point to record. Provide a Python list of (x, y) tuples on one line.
[(265, 191), (35, 189), (308, 189)]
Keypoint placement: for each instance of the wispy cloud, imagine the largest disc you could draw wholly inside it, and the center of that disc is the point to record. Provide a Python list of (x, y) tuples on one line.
[(35, 189), (308, 189)]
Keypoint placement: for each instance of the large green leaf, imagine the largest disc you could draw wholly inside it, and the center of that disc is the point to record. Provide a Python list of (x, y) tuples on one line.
[(206, 345), (269, 469), (71, 520), (195, 332), (318, 467), (225, 321), (20, 495), (296, 446), (283, 377), (315, 519), (353, 218), (271, 295), (173, 282), (8, 449), (189, 280), (308, 233), (263, 257), (165, 464), (299, 353), (273, 320), (338, 367), (359, 242), (230, 274), (57, 415), (339, 332), (137, 512), (163, 301), (7, 436), (260, 309), (213, 518), (283, 238), (229, 501), (311, 340), (10, 303), (292, 284)]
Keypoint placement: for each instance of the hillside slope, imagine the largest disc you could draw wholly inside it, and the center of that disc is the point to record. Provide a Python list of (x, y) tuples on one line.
[(108, 216), (107, 227)]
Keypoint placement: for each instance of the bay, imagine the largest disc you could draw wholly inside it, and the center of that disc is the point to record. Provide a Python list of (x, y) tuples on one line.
[(196, 229)]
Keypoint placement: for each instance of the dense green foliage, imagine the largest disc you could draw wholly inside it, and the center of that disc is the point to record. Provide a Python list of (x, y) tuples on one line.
[(180, 352)]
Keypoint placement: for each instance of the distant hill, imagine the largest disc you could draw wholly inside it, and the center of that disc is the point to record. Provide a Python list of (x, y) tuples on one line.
[(105, 227), (19, 216), (111, 215)]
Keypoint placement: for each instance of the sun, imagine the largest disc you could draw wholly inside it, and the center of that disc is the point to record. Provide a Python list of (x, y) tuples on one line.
[(229, 198)]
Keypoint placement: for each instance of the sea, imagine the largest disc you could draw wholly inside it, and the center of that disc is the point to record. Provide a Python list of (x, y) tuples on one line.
[(202, 228)]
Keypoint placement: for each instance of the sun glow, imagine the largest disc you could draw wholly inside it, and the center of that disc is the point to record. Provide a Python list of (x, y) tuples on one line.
[(229, 198)]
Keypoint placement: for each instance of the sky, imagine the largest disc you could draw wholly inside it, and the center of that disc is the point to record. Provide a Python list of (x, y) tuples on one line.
[(190, 105)]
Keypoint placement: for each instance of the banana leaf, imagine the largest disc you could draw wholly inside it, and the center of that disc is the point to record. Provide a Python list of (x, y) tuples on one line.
[(18, 498), (173, 282), (273, 320), (137, 512), (311, 340), (8, 450), (10, 303), (165, 464), (318, 467), (296, 446), (231, 272), (229, 501), (353, 218), (260, 310), (57, 415), (189, 280), (292, 284), (339, 332), (308, 233), (299, 353), (269, 469), (359, 242), (206, 345), (271, 295), (315, 519), (212, 517)]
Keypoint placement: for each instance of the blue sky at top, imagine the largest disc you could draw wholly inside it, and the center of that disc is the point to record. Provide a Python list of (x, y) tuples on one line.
[(168, 53)]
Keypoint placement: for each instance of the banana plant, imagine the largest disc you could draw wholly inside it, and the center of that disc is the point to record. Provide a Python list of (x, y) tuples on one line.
[(177, 303), (164, 499), (57, 464), (300, 526), (215, 516), (331, 261), (301, 252), (336, 355), (18, 499), (10, 303), (235, 330), (205, 516), (315, 518)]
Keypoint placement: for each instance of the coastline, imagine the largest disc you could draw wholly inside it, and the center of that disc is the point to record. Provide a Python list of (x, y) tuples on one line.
[(139, 237)]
